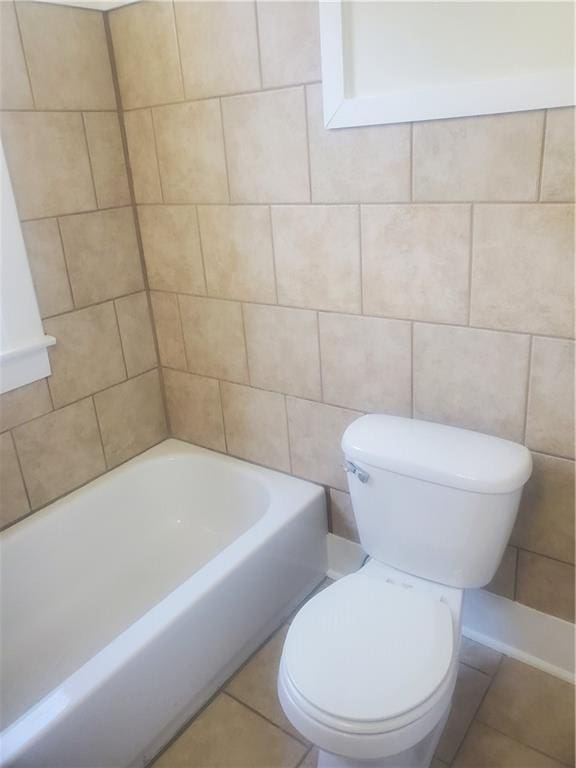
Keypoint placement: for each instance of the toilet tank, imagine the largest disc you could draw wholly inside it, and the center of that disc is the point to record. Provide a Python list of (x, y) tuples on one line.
[(435, 501)]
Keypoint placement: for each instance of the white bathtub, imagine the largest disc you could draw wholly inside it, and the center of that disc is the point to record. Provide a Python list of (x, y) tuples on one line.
[(126, 604)]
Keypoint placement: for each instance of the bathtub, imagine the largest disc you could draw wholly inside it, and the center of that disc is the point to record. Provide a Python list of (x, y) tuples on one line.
[(128, 603)]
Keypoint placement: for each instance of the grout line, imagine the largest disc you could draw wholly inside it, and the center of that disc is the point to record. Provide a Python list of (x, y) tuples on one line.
[(274, 269), (245, 337), (25, 57), (307, 130), (19, 462), (157, 158), (473, 720), (89, 160), (225, 150), (184, 346), (122, 350), (321, 376), (470, 264), (93, 305), (258, 47), (98, 425), (66, 269), (527, 389), (202, 258), (304, 758), (223, 418), (300, 740), (314, 204), (541, 165), (513, 738), (178, 49)]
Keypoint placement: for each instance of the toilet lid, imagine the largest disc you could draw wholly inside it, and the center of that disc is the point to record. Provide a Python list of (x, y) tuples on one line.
[(368, 650)]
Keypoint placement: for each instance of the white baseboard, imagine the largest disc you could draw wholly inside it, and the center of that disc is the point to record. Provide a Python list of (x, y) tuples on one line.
[(537, 639)]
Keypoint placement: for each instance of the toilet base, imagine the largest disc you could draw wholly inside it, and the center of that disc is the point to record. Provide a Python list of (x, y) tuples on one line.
[(418, 756)]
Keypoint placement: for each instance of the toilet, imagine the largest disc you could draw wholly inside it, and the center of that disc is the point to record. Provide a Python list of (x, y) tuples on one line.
[(369, 664)]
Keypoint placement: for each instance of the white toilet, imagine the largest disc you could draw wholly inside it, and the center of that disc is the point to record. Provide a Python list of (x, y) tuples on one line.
[(369, 664)]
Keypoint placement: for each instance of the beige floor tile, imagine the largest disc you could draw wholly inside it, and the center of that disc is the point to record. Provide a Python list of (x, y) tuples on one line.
[(437, 763), (228, 735), (255, 683), (311, 759), (484, 747), (532, 707), (479, 656), (471, 687)]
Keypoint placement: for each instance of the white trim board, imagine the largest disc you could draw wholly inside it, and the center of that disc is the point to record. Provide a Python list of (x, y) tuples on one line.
[(492, 93), (535, 638)]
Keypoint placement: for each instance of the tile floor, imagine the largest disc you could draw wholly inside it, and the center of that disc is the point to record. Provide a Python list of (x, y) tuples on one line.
[(505, 715)]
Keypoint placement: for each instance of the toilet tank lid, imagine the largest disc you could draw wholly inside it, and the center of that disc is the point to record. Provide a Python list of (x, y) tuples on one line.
[(450, 456)]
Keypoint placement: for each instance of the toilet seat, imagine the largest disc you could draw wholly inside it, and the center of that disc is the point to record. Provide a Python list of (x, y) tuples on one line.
[(366, 656)]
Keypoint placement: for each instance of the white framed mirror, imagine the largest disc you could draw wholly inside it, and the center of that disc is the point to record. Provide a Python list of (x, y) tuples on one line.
[(392, 62)]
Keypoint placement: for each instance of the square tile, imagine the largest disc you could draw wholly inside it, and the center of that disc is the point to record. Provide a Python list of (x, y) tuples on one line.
[(315, 432), (471, 378), (367, 363), (532, 707), (59, 451), (142, 154), (171, 244), (102, 255), (46, 260), (218, 47), (48, 162), (12, 492), (87, 356), (550, 418), (67, 57), (546, 585), (168, 326), (471, 686), (492, 157), (107, 158), (214, 338), (226, 728), (237, 248), (136, 333), (15, 92), (146, 53), (283, 349), (351, 165), (289, 42), (317, 252), (24, 404), (545, 522), (415, 261), (190, 147), (266, 147), (479, 656), (255, 684), (256, 426), (194, 409), (504, 580), (484, 747), (342, 515), (523, 268), (131, 417), (558, 161)]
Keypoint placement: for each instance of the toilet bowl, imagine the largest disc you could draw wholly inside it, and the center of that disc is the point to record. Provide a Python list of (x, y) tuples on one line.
[(369, 667), (369, 664)]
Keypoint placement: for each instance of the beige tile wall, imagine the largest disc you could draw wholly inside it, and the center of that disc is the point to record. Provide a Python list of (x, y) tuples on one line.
[(304, 276), (299, 277), (60, 128)]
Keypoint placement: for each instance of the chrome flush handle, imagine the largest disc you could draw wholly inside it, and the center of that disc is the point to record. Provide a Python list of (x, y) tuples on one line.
[(361, 474)]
